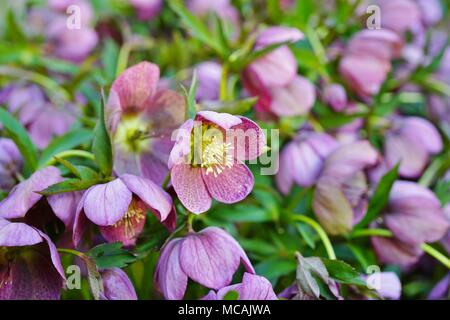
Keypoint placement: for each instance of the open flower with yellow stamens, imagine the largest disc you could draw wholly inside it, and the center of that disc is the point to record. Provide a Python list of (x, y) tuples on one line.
[(119, 208), (207, 159)]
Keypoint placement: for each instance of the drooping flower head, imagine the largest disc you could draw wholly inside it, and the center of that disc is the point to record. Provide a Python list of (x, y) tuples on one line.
[(415, 216), (24, 203), (141, 118), (10, 164), (30, 267), (411, 141), (341, 195), (117, 285), (252, 287), (302, 159), (207, 159), (119, 208), (209, 257)]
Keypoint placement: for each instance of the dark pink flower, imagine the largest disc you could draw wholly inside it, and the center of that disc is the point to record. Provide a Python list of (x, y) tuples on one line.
[(400, 15), (206, 161), (209, 257), (415, 216), (119, 208), (141, 118), (147, 9), (30, 267)]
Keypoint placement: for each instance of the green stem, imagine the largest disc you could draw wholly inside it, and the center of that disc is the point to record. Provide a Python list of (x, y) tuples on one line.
[(166, 181), (69, 154), (190, 220), (436, 254), (322, 234), (224, 83), (72, 252)]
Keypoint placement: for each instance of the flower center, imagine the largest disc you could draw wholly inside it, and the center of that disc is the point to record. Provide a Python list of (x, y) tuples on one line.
[(132, 134), (134, 215)]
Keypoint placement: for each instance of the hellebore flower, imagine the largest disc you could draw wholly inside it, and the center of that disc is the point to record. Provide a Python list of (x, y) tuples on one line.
[(209, 257), (117, 285), (147, 9), (273, 78), (414, 215), (209, 75), (335, 96), (10, 164), (223, 8), (43, 120), (386, 284), (30, 267), (252, 287), (400, 15), (141, 118), (119, 208), (431, 11), (367, 60), (24, 201), (341, 195), (411, 141), (206, 161), (302, 159)]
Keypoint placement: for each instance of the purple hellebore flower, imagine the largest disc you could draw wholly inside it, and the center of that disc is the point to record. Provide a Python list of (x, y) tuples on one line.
[(117, 285), (252, 287), (415, 216), (141, 117), (441, 290), (386, 284), (223, 8), (335, 96), (24, 203), (209, 74), (119, 208), (431, 11), (30, 267), (341, 195), (213, 167), (400, 15), (147, 9), (209, 257), (10, 164), (411, 141), (302, 159)]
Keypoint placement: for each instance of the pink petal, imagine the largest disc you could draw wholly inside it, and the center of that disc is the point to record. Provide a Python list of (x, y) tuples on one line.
[(18, 234), (190, 188), (223, 120), (249, 141), (64, 206)]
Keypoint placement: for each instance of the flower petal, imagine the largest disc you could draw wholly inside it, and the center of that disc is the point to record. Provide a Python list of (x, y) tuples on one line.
[(253, 287), (222, 119), (105, 204), (64, 206), (231, 185), (117, 285), (190, 188), (248, 140), (17, 234)]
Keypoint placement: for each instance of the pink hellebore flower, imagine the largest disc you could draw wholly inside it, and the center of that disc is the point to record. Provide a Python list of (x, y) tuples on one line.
[(119, 208), (341, 195), (367, 60), (302, 159), (252, 287), (206, 161), (335, 96), (117, 285), (24, 203), (209, 257), (415, 216), (141, 117), (386, 284), (30, 267), (411, 142), (209, 74), (400, 15), (147, 9)]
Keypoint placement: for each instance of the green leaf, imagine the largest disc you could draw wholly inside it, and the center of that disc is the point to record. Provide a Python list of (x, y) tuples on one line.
[(101, 146), (69, 185), (198, 29), (111, 255), (14, 31), (94, 278), (65, 142), (231, 295), (380, 198), (343, 272), (307, 270), (87, 173), (20, 136), (109, 58), (442, 191), (307, 234), (243, 213), (275, 267)]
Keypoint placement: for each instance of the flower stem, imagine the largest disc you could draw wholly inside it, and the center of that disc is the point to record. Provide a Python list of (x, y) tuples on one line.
[(224, 83), (436, 254), (190, 220), (322, 234), (68, 154), (166, 181), (72, 252)]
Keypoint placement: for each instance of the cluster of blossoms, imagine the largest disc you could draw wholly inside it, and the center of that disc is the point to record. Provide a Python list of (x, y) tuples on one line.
[(165, 173)]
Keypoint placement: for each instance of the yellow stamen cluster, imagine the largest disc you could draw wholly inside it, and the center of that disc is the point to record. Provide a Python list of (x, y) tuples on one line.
[(216, 156), (133, 216)]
